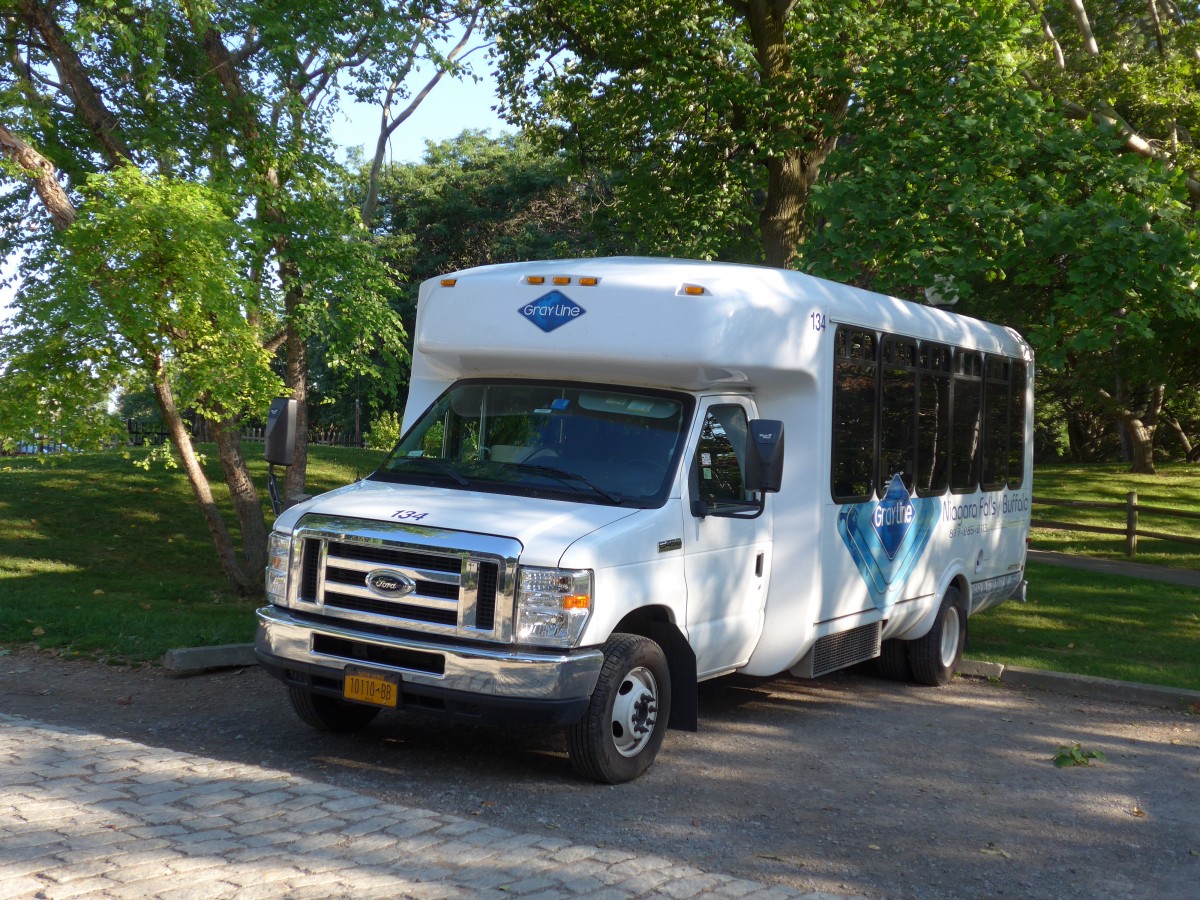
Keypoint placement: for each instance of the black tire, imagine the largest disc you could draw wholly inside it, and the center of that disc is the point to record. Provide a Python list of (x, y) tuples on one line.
[(892, 661), (935, 657), (626, 720), (329, 713)]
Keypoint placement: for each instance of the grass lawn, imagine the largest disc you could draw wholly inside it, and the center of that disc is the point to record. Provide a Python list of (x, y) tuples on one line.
[(1088, 624), (101, 558)]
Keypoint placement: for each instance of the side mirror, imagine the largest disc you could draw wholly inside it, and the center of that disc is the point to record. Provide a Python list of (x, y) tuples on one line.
[(764, 456), (279, 439)]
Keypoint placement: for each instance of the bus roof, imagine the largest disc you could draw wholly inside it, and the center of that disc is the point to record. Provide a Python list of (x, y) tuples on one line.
[(663, 322)]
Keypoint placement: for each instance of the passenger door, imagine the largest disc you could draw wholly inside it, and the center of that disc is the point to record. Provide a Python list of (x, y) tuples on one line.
[(727, 541)]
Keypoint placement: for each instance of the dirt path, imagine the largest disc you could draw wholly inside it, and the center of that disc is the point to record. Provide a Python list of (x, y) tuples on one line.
[(846, 784)]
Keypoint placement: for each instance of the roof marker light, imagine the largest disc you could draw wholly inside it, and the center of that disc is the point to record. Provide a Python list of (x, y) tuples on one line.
[(589, 281), (560, 279), (692, 290), (449, 282), (535, 279)]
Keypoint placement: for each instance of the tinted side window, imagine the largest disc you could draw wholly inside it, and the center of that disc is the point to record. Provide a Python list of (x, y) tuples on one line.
[(856, 355), (1016, 440), (965, 444), (933, 412), (897, 411), (996, 428)]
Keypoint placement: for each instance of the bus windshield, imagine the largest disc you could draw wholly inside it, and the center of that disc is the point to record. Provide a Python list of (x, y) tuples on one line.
[(588, 443)]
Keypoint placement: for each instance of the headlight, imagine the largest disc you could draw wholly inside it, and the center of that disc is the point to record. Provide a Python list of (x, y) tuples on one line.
[(279, 549), (553, 605)]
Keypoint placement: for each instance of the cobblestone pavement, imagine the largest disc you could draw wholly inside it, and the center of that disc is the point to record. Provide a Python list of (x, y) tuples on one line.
[(87, 816)]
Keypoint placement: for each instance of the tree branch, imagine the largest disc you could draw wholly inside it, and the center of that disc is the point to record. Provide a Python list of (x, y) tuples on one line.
[(44, 176), (1133, 141), (1085, 28), (89, 103), (1048, 32), (386, 128)]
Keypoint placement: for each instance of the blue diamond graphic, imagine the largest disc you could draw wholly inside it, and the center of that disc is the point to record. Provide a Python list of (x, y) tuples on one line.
[(551, 311), (893, 516)]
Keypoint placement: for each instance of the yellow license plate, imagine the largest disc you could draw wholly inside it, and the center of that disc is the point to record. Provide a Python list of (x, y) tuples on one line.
[(370, 688)]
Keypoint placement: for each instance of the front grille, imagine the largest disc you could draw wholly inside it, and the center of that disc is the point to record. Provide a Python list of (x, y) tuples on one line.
[(361, 651), (394, 556), (485, 605), (397, 584), (390, 608)]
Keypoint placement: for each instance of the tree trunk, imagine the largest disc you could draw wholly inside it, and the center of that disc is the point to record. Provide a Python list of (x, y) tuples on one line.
[(201, 489), (1140, 444), (76, 82), (1137, 429), (246, 501), (781, 222), (791, 174)]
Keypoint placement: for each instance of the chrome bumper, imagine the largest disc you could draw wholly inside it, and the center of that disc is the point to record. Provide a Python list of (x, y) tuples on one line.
[(495, 673)]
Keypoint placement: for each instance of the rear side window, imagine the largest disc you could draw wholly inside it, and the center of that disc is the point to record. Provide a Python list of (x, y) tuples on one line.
[(1016, 425)]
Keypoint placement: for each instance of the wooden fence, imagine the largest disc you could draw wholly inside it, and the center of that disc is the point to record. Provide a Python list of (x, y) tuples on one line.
[(1131, 532)]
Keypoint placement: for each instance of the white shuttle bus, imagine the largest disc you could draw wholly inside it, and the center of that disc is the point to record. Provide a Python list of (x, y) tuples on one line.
[(590, 510)]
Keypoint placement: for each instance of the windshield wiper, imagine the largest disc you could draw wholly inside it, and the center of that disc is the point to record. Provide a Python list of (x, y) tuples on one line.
[(443, 467), (566, 477)]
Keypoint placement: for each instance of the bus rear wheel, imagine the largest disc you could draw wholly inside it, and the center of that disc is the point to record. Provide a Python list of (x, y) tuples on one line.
[(935, 656), (626, 720), (892, 661)]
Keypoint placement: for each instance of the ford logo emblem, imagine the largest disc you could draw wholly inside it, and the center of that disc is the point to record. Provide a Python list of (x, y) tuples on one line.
[(390, 583)]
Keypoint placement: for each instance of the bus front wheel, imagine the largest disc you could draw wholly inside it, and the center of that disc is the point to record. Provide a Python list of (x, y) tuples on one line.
[(330, 714), (935, 656), (623, 728)]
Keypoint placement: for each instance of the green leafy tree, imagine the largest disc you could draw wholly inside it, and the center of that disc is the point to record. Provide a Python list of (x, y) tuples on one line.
[(208, 122), (716, 117)]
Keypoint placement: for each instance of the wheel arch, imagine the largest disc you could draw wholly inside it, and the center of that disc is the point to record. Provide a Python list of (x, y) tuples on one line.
[(657, 624), (954, 577)]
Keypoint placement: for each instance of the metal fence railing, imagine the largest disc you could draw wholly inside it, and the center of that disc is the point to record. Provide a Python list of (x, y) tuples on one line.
[(155, 433)]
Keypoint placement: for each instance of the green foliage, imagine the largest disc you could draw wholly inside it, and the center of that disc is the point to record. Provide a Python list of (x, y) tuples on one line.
[(1075, 755), (153, 271), (211, 234), (1040, 220), (475, 200), (384, 432), (714, 118), (679, 104)]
